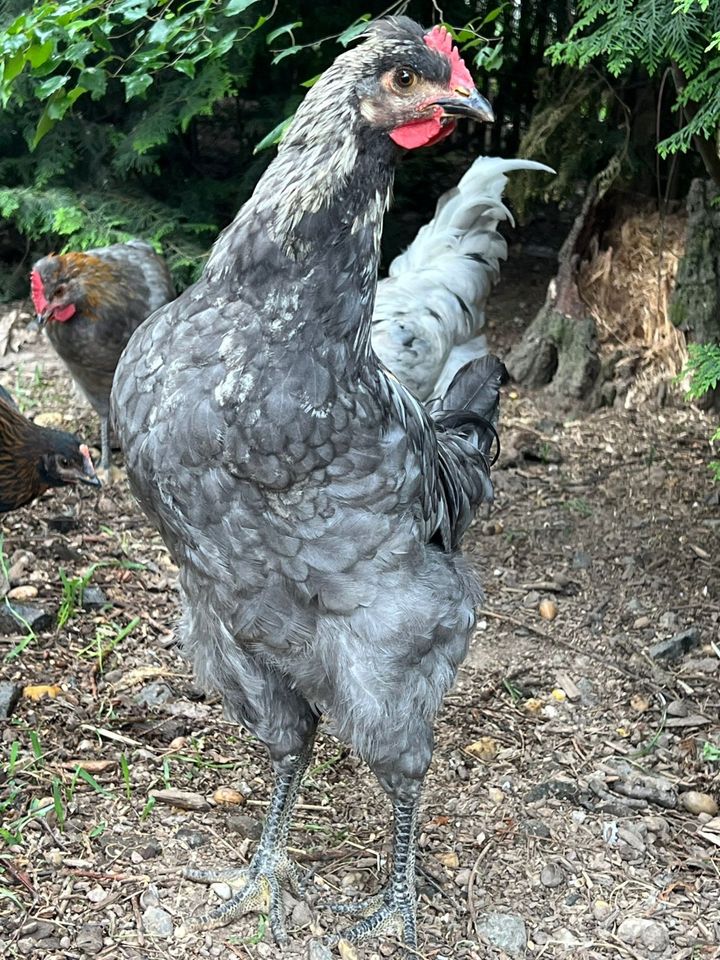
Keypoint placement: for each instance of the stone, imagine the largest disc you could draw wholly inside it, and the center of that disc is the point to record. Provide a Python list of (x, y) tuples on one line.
[(552, 789), (90, 938), (504, 930), (222, 890), (676, 646), (552, 875), (302, 914), (25, 592), (318, 951), (193, 838), (9, 696), (535, 828), (34, 617), (228, 796), (158, 923), (94, 598), (696, 802), (642, 932), (245, 826), (153, 694)]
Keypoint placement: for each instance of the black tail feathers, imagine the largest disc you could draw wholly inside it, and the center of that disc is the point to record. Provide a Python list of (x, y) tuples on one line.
[(472, 401)]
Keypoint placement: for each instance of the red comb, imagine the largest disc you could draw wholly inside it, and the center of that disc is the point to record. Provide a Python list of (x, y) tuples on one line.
[(439, 39), (38, 292)]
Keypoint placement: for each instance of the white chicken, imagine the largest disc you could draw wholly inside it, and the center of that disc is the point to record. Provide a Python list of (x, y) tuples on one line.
[(430, 309)]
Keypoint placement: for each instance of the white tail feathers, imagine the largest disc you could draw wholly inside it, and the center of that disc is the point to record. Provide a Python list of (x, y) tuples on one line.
[(430, 309)]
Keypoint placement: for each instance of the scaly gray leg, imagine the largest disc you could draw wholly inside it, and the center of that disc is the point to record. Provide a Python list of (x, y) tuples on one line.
[(395, 906), (105, 453), (260, 883)]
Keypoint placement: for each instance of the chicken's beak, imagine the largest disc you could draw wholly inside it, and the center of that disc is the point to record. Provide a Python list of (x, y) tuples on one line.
[(40, 320), (88, 474), (467, 103)]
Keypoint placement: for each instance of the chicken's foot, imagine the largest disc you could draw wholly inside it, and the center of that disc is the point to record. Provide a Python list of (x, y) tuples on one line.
[(259, 885), (394, 908)]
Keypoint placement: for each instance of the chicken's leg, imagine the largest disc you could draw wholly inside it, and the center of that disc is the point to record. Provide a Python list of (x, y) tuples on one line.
[(259, 885), (394, 907), (105, 451)]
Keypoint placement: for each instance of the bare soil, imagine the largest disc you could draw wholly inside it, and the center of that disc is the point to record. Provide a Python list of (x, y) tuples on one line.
[(555, 821)]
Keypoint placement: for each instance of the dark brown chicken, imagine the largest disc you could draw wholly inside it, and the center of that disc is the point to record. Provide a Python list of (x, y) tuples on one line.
[(33, 458), (91, 304)]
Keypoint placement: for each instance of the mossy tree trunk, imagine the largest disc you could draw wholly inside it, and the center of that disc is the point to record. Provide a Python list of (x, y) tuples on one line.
[(560, 349)]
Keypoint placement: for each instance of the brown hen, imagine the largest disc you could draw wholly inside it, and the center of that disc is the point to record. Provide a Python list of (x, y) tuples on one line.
[(91, 304), (34, 458)]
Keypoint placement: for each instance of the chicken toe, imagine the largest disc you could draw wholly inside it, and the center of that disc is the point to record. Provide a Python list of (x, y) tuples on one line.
[(395, 913), (257, 887)]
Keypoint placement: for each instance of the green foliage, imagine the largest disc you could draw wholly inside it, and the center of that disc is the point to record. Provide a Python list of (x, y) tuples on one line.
[(681, 34), (703, 368)]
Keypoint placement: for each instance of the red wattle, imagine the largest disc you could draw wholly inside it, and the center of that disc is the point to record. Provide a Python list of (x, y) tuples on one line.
[(421, 133), (64, 313)]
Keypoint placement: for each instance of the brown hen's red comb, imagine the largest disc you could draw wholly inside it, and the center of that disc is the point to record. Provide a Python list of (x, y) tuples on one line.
[(439, 39), (38, 292)]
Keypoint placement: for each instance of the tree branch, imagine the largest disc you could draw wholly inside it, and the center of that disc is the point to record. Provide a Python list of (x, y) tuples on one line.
[(706, 148)]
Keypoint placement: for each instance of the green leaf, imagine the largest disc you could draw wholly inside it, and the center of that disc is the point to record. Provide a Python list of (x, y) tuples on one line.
[(185, 66), (136, 84), (354, 30), (13, 66), (287, 28), (493, 15), (160, 31), (39, 53), (50, 86), (275, 135), (237, 6), (287, 52), (94, 79)]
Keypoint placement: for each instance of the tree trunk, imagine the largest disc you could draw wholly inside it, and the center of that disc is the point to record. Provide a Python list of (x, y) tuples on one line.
[(560, 346)]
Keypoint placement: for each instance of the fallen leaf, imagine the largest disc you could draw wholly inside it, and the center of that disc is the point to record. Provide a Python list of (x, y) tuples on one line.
[(347, 950), (548, 609), (639, 702), (40, 690), (92, 766), (559, 695), (449, 860), (484, 749), (533, 705), (140, 674)]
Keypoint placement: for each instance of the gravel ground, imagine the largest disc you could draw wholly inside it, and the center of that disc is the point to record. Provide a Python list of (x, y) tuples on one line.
[(571, 809)]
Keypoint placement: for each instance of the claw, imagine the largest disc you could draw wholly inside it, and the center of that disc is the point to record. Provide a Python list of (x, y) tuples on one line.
[(390, 911), (257, 887)]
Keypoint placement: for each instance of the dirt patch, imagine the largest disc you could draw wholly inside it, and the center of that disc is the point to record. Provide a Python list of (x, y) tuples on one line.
[(554, 821)]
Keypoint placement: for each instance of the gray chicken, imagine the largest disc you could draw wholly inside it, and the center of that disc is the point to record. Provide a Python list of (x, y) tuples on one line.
[(91, 304), (313, 506)]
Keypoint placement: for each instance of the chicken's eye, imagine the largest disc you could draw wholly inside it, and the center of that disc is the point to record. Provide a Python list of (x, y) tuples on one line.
[(64, 462), (404, 78)]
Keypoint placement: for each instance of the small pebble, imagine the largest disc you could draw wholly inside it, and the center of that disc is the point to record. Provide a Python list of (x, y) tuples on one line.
[(302, 914), (552, 875), (601, 910), (222, 890), (696, 802), (27, 592), (89, 938), (157, 923), (96, 894), (318, 951), (228, 796), (642, 932)]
